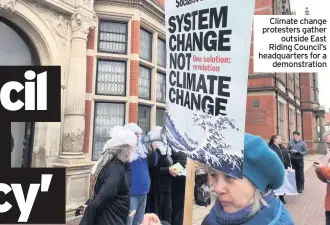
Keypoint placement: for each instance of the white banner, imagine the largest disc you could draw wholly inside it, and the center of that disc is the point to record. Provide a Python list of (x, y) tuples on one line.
[(208, 49), (289, 187)]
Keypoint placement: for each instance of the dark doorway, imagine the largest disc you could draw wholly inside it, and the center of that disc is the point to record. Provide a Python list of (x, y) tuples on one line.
[(16, 48)]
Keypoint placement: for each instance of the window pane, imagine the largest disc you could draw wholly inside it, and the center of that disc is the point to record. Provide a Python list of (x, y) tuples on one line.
[(111, 77), (107, 115), (161, 88), (144, 118), (160, 117), (144, 83), (161, 53), (145, 45), (113, 37), (281, 76)]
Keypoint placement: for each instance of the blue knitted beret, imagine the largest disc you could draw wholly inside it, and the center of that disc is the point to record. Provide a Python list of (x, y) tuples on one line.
[(262, 166)]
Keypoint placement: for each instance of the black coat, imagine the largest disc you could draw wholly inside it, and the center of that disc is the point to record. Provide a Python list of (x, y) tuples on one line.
[(160, 181), (283, 154), (165, 162), (112, 197), (178, 190), (154, 191)]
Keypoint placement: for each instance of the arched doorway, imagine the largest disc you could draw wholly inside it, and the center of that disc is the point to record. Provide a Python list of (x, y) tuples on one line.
[(16, 48)]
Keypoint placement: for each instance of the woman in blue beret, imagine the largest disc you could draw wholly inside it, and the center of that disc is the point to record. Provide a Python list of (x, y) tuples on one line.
[(248, 201)]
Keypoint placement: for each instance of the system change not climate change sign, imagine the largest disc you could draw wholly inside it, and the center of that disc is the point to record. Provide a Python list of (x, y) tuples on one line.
[(208, 47)]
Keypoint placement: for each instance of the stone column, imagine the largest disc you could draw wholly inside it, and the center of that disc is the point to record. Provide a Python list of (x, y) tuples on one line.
[(74, 113), (322, 127), (72, 156), (321, 149)]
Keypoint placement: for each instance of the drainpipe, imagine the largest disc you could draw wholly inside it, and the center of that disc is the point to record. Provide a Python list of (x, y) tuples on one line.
[(301, 111), (288, 109), (294, 90)]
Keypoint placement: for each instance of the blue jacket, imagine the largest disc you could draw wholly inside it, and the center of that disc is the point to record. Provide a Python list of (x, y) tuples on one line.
[(140, 174), (274, 214)]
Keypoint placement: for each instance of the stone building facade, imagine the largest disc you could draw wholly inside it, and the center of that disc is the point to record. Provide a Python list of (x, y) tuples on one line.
[(113, 58), (105, 49)]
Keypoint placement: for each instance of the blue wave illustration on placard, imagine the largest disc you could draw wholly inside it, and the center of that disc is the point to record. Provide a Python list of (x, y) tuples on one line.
[(212, 150)]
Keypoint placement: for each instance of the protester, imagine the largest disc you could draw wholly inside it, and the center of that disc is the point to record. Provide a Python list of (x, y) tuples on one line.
[(178, 189), (159, 200), (250, 200), (298, 149), (323, 173), (153, 196), (275, 143), (140, 176), (166, 175), (109, 196)]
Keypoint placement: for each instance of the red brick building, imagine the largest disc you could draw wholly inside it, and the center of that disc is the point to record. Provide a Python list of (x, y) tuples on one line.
[(327, 121), (283, 102)]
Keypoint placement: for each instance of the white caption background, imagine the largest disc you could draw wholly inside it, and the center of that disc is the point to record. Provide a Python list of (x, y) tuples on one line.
[(290, 56)]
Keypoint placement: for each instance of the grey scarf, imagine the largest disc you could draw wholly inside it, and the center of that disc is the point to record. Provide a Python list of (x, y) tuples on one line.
[(122, 152)]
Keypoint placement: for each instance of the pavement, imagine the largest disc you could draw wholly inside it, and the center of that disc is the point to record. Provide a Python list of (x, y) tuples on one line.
[(306, 208)]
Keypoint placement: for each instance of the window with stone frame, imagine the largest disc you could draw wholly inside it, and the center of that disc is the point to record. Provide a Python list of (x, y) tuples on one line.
[(281, 125), (161, 88), (281, 76), (291, 122), (112, 37), (145, 45), (145, 83), (297, 84), (299, 123), (106, 116), (144, 117), (290, 84), (314, 87), (161, 53), (160, 117), (279, 7), (111, 78)]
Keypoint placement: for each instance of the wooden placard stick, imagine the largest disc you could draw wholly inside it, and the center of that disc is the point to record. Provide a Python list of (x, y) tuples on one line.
[(189, 192)]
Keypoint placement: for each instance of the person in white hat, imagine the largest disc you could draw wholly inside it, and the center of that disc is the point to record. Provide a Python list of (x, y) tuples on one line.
[(109, 197), (140, 176)]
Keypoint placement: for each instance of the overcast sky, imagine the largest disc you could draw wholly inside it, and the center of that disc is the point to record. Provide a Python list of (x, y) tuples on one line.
[(317, 6)]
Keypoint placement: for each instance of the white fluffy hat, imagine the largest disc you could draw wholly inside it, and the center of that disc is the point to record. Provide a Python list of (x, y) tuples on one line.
[(134, 128), (120, 136)]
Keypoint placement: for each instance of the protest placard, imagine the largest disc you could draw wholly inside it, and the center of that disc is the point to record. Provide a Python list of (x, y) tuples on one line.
[(208, 48)]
